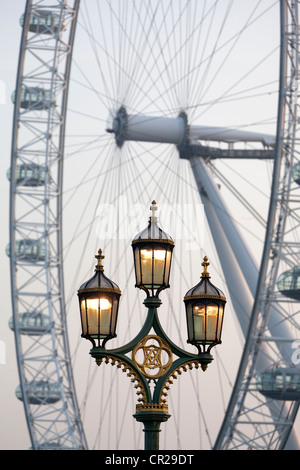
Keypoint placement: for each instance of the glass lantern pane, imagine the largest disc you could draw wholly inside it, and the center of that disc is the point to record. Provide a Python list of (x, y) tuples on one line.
[(189, 321), (105, 317), (146, 267), (168, 266), (114, 316), (92, 316), (83, 317), (137, 266), (220, 322), (211, 322), (159, 257), (199, 322)]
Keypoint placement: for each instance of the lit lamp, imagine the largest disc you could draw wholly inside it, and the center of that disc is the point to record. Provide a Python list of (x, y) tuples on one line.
[(99, 304), (204, 306), (152, 252)]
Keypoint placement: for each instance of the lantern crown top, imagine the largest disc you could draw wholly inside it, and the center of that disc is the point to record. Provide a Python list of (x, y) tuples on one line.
[(99, 281), (153, 231), (205, 288)]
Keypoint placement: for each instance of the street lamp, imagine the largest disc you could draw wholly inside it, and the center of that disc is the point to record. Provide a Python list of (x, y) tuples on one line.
[(151, 358)]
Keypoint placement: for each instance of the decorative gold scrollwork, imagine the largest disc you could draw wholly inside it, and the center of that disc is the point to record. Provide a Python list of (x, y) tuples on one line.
[(153, 356)]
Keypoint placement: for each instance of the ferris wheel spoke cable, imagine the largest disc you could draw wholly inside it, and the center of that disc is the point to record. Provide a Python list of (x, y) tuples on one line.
[(212, 54), (171, 82), (239, 196), (134, 48), (235, 38), (88, 28)]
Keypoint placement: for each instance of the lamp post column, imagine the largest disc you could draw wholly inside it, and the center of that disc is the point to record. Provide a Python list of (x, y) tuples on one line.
[(151, 420)]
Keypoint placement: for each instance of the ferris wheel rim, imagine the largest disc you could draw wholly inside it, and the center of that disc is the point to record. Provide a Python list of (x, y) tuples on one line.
[(25, 386)]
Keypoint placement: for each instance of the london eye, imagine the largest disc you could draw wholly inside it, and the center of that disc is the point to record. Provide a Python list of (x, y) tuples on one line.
[(193, 104)]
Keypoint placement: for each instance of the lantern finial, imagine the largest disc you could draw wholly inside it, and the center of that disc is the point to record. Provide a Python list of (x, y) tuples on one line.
[(153, 208), (99, 257), (205, 264)]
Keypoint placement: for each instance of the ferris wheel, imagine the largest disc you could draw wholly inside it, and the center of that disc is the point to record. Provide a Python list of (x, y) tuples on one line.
[(194, 104)]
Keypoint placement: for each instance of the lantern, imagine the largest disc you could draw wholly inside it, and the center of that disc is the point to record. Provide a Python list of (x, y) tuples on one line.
[(99, 305), (204, 305), (152, 252)]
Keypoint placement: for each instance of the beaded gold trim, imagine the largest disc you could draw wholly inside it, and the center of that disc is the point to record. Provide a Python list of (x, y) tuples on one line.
[(100, 289), (158, 240), (204, 296), (152, 407)]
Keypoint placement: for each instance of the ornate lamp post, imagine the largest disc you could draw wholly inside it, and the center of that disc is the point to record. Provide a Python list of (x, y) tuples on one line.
[(143, 358)]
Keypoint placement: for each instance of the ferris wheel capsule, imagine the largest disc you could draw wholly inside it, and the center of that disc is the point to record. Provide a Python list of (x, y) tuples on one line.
[(28, 250), (34, 98), (43, 22), (289, 283), (280, 383), (40, 392), (29, 174), (32, 323), (296, 173)]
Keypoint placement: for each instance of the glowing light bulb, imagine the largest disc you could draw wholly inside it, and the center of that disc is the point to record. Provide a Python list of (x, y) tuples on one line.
[(92, 304), (105, 304), (159, 254), (146, 255)]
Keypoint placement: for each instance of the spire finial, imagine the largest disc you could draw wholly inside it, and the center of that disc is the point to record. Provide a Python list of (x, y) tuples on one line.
[(205, 264), (99, 257), (153, 209)]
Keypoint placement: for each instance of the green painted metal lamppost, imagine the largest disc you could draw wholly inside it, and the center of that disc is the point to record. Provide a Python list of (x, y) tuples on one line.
[(151, 358)]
